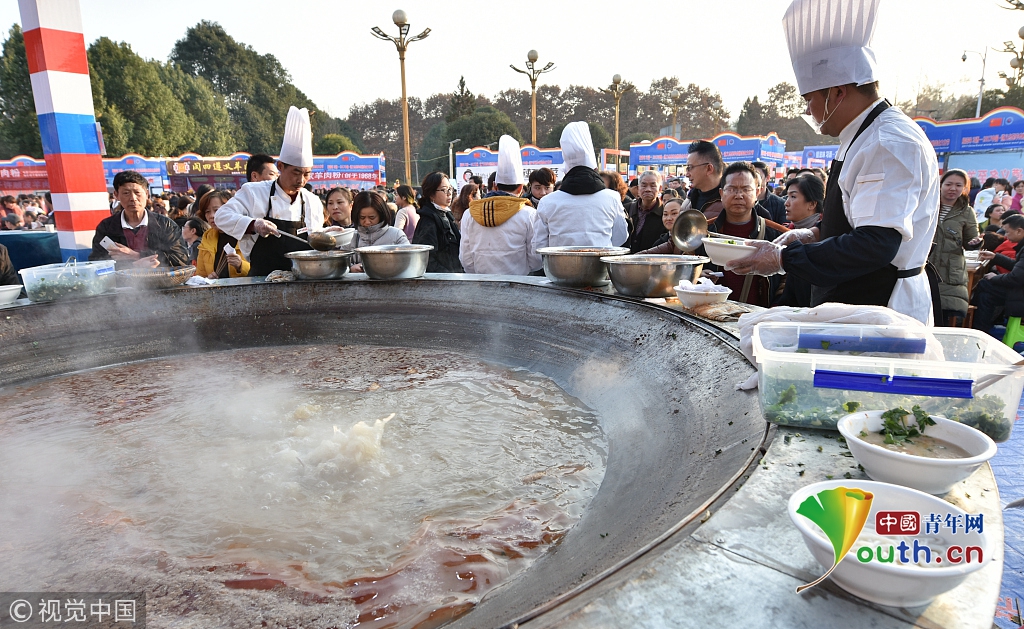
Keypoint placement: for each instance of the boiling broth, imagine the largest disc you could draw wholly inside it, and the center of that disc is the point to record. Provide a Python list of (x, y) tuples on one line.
[(309, 486)]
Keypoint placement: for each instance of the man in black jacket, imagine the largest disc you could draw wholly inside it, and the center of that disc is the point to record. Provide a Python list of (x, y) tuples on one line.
[(140, 238), (996, 293), (645, 213), (773, 203)]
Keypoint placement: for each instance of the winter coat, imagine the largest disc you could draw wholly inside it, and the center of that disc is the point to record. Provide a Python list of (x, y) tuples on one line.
[(163, 238), (207, 256), (1014, 283), (947, 254), (439, 229), (652, 230)]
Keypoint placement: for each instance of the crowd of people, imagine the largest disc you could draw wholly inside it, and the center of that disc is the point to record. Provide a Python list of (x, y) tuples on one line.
[(498, 226)]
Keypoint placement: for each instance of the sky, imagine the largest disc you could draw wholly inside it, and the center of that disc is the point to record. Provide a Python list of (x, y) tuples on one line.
[(734, 47)]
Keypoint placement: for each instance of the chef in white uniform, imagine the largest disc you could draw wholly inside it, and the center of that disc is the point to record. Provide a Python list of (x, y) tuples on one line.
[(583, 211), (261, 209), (497, 230), (882, 200)]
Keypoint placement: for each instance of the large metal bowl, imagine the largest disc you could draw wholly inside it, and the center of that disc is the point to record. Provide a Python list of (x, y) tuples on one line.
[(394, 262), (319, 265), (578, 266), (652, 276)]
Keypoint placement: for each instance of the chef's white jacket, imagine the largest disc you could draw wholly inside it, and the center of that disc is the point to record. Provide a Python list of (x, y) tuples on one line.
[(250, 203), (585, 220), (505, 249)]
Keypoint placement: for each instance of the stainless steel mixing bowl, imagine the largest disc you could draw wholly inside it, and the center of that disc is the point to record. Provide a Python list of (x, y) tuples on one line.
[(394, 262), (578, 266), (319, 265), (652, 276)]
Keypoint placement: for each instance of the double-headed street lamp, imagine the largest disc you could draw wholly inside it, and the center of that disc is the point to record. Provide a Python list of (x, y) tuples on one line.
[(533, 73), (616, 90), (401, 43)]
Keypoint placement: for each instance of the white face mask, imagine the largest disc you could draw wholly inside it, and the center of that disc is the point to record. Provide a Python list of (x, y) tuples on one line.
[(814, 124)]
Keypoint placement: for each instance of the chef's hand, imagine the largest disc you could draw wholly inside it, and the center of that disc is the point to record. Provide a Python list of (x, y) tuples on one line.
[(264, 227), (234, 260), (985, 256), (797, 235), (767, 260), (149, 262)]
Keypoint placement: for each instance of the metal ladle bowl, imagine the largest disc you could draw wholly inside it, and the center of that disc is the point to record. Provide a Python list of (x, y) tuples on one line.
[(689, 230)]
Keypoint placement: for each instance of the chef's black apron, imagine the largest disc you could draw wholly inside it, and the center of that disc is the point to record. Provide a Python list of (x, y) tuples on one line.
[(267, 254), (871, 289)]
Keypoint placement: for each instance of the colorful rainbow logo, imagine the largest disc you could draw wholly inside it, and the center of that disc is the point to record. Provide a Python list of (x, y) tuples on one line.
[(840, 513)]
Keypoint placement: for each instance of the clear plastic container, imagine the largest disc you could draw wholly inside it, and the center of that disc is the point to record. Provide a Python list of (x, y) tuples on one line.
[(810, 375), (67, 281)]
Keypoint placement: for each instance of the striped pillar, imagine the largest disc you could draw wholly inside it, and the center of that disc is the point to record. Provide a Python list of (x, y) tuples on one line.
[(57, 64)]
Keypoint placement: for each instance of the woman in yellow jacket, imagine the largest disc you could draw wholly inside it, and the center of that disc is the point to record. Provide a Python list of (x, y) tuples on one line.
[(212, 261)]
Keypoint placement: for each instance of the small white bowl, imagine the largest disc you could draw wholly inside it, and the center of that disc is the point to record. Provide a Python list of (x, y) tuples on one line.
[(9, 293), (972, 265), (692, 298), (893, 584), (722, 253), (935, 476)]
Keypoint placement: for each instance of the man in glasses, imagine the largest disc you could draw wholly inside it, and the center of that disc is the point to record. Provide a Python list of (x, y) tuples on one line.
[(704, 168), (645, 213), (744, 219)]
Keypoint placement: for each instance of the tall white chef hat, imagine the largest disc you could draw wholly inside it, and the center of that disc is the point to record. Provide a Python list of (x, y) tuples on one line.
[(830, 42), (577, 146), (510, 162), (297, 148)]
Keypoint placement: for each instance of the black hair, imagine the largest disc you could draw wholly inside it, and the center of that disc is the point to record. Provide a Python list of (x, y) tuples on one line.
[(431, 184), (345, 192), (478, 180), (762, 167), (196, 224), (543, 176), (991, 181), (739, 167), (8, 199), (633, 183), (129, 176), (710, 152), (508, 187), (811, 188), (1005, 183), (407, 193), (961, 174), (490, 179), (256, 164), (1015, 221), (370, 199), (988, 210)]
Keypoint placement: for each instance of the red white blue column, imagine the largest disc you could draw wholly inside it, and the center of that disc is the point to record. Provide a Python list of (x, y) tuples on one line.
[(59, 70)]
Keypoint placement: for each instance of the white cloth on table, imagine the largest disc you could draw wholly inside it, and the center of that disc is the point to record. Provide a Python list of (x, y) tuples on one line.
[(584, 220), (250, 203), (505, 249)]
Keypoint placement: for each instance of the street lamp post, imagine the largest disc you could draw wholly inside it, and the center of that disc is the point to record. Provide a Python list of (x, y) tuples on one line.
[(451, 158), (674, 96), (616, 90), (402, 43), (533, 73), (1017, 62), (981, 87)]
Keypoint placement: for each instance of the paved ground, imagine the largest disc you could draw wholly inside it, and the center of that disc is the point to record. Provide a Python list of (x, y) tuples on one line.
[(1007, 466)]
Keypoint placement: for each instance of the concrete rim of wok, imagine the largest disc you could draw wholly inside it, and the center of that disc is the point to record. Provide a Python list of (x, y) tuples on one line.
[(679, 435)]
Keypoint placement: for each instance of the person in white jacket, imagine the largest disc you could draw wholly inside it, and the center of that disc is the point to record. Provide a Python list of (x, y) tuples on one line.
[(583, 212), (498, 230)]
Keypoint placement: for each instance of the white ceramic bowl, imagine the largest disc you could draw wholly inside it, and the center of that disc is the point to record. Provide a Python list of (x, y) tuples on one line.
[(972, 265), (722, 253), (692, 298), (935, 476), (9, 293), (893, 584)]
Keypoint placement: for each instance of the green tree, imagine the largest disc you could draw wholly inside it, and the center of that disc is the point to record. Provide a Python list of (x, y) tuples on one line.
[(19, 126), (211, 131), (752, 119), (633, 138), (154, 120), (483, 127), (462, 102), (433, 151), (256, 88), (333, 143)]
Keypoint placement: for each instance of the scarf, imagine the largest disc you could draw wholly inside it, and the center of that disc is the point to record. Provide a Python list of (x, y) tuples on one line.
[(370, 235), (807, 223), (496, 208), (582, 180)]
